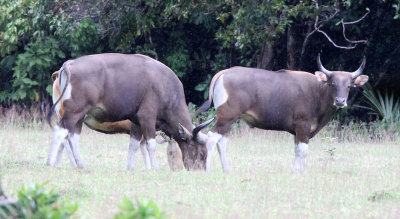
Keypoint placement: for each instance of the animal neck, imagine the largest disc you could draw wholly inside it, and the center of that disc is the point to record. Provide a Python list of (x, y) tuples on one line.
[(180, 117), (327, 99)]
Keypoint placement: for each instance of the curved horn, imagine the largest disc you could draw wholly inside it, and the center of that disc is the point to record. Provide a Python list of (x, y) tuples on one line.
[(359, 70), (321, 67), (201, 126)]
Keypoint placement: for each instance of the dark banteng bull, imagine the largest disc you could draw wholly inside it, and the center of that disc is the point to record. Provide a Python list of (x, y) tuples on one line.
[(297, 102), (115, 87), (174, 153)]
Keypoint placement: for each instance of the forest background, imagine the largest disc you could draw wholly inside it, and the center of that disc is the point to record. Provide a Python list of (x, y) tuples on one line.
[(196, 39)]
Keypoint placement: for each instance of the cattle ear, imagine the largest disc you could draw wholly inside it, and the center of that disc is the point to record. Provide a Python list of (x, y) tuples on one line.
[(321, 76), (360, 80), (184, 133)]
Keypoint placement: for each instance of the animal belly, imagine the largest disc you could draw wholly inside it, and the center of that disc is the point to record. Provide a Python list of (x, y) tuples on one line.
[(98, 120), (250, 120), (266, 123)]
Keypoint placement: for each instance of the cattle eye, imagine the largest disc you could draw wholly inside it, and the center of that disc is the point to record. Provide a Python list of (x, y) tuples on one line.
[(332, 84)]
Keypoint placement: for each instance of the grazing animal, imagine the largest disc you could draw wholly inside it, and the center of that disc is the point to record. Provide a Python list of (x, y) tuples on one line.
[(115, 87), (298, 102), (174, 153)]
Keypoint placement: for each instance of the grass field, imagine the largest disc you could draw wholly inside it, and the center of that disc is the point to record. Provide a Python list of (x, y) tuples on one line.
[(355, 180)]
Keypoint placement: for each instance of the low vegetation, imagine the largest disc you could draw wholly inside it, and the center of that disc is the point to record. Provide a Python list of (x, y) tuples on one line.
[(34, 201), (353, 177)]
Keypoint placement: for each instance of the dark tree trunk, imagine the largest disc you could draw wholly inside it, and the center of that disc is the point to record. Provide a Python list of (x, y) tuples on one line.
[(310, 31), (291, 49), (265, 60)]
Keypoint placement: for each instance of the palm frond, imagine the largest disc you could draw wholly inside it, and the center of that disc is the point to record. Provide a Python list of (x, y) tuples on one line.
[(386, 106)]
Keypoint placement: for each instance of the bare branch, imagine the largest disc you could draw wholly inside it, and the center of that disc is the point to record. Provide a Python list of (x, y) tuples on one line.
[(334, 44), (318, 25), (353, 22), (356, 21)]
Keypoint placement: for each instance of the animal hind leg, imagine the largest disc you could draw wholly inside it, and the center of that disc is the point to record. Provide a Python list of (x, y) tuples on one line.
[(145, 154), (148, 126), (134, 145), (73, 140), (74, 122), (216, 136), (69, 153), (59, 136), (213, 138)]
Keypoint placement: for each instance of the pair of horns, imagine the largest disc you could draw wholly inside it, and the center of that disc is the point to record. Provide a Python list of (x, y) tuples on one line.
[(329, 73)]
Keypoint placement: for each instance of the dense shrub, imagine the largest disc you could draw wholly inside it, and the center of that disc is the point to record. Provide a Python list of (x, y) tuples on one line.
[(34, 201), (143, 209)]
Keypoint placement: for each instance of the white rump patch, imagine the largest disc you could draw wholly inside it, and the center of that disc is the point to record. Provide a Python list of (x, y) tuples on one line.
[(220, 93)]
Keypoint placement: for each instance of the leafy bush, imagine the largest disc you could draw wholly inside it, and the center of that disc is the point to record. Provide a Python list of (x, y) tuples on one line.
[(144, 209), (36, 202), (385, 106), (197, 119)]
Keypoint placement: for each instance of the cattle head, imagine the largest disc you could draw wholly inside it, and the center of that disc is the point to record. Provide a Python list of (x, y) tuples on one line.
[(341, 81), (193, 146)]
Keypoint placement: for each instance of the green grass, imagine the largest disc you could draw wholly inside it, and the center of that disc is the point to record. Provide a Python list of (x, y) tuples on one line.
[(356, 180)]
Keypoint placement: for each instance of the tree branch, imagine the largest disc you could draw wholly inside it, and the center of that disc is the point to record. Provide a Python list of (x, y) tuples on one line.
[(318, 25), (353, 22)]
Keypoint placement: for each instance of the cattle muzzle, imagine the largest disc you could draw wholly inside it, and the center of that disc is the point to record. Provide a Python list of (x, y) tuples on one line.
[(340, 102)]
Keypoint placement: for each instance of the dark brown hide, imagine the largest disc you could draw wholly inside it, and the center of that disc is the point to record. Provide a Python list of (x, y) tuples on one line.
[(117, 87), (297, 102)]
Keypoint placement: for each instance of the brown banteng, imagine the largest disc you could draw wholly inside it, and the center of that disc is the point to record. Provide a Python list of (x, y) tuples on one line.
[(174, 153), (300, 103), (115, 87)]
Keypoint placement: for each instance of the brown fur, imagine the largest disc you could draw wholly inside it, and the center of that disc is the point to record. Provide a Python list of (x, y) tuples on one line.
[(130, 87), (283, 100)]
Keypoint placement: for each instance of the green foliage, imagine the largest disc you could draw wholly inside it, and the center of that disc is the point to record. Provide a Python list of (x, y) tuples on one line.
[(29, 67), (178, 60), (384, 195), (204, 86), (386, 106), (197, 119), (15, 21), (144, 209), (396, 6), (34, 201), (330, 149), (195, 38), (85, 39)]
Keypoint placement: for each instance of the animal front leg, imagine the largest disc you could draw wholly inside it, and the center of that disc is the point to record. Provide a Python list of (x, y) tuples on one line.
[(133, 147), (145, 154), (151, 148), (212, 140), (300, 151), (222, 154)]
